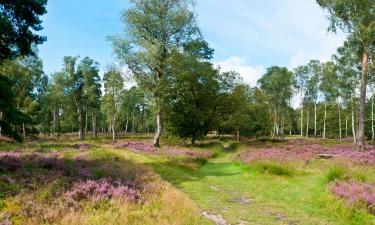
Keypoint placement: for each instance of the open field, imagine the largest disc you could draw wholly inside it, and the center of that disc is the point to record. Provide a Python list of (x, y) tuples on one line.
[(216, 181)]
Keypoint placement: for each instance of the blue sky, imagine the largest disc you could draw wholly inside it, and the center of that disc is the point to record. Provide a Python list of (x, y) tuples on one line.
[(248, 35)]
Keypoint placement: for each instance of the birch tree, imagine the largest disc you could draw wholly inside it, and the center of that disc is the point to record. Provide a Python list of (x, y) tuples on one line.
[(113, 86), (358, 19), (153, 29)]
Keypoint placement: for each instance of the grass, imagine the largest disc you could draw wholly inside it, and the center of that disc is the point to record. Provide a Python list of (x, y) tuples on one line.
[(180, 188)]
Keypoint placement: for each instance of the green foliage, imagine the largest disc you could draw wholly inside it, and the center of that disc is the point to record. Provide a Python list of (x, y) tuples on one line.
[(275, 168), (19, 20)]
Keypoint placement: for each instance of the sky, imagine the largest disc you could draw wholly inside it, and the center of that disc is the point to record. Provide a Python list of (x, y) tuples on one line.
[(248, 35)]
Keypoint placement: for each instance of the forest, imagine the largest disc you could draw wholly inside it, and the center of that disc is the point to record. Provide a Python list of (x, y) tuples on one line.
[(164, 136)]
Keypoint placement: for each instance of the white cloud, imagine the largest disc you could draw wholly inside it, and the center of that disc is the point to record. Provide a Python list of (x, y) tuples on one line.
[(249, 74)]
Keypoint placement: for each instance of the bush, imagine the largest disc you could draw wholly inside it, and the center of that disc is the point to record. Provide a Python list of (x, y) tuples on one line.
[(275, 168)]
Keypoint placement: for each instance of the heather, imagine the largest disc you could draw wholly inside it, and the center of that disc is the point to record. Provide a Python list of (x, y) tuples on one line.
[(355, 192), (305, 151), (132, 182), (67, 186), (173, 151)]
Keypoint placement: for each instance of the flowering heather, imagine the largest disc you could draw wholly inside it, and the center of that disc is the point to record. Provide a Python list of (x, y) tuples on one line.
[(103, 189), (171, 151), (14, 161), (353, 192), (306, 152), (140, 147)]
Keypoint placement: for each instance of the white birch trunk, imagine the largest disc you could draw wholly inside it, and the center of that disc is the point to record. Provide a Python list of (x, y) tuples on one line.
[(346, 126), (324, 124), (301, 121), (315, 120), (307, 123), (353, 126), (340, 122), (372, 119)]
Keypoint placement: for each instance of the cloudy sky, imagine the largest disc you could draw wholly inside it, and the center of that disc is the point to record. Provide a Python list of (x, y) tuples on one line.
[(248, 35)]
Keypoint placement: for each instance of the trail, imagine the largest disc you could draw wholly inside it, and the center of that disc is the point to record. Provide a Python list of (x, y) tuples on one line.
[(227, 193)]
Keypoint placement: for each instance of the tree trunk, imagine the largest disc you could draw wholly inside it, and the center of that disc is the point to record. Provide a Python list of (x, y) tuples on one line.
[(86, 121), (142, 118), (353, 126), (340, 122), (23, 131), (276, 126), (94, 130), (158, 128), (113, 128), (127, 123), (81, 132), (346, 125), (307, 123), (1, 117), (362, 106), (324, 123), (238, 135), (372, 119), (301, 121), (282, 127), (58, 124), (133, 124), (54, 119), (158, 119), (315, 118)]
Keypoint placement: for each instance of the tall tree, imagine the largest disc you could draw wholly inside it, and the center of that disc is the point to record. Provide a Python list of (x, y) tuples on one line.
[(277, 84), (348, 69), (301, 76), (153, 29), (91, 90), (358, 19), (75, 87), (18, 22), (192, 92), (113, 86), (328, 86), (315, 74)]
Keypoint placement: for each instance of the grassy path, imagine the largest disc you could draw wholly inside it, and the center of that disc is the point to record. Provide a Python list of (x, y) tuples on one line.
[(245, 196)]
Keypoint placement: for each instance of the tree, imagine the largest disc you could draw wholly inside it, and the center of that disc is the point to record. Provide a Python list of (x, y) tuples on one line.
[(113, 86), (56, 98), (329, 88), (192, 93), (75, 87), (153, 30), (348, 69), (315, 74), (300, 83), (277, 85), (91, 90), (358, 19), (19, 19), (28, 83), (18, 22)]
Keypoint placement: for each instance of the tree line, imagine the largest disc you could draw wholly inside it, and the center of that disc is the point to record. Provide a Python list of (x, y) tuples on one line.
[(178, 90)]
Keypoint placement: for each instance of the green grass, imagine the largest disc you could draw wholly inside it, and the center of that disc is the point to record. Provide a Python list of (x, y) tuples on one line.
[(262, 192), (277, 193)]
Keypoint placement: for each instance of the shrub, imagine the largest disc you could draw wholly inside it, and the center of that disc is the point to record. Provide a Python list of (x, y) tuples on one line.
[(356, 193), (335, 173), (275, 168)]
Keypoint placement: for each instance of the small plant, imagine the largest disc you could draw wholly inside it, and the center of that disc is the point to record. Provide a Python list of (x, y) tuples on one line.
[(356, 193), (275, 168), (335, 173)]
